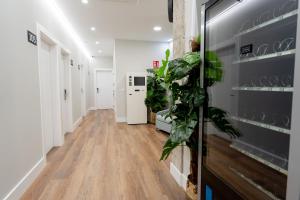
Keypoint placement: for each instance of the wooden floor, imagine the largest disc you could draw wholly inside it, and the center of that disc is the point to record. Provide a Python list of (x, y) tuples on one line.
[(105, 160)]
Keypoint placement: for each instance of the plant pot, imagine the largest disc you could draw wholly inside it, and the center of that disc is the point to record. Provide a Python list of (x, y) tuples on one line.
[(195, 46), (193, 177), (152, 118), (191, 190)]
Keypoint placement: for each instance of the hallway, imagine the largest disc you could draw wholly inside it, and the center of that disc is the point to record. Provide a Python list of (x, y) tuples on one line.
[(103, 159)]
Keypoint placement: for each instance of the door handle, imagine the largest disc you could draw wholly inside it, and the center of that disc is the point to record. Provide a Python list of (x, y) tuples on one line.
[(65, 94), (98, 90)]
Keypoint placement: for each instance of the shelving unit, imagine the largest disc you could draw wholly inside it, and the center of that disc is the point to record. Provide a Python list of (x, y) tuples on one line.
[(265, 89), (267, 23), (257, 54), (262, 125), (268, 56), (272, 196), (275, 167)]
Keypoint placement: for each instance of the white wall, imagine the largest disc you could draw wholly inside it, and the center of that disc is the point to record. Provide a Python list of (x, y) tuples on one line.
[(103, 62), (20, 119), (133, 56), (191, 23)]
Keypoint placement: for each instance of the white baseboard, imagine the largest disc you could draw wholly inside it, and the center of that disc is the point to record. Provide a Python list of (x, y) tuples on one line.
[(179, 177), (92, 108), (121, 119), (26, 181), (76, 124)]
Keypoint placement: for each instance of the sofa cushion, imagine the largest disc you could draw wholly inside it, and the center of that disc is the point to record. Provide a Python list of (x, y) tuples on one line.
[(162, 119)]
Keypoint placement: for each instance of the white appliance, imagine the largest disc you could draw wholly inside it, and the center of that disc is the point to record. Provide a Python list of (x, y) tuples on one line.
[(136, 94)]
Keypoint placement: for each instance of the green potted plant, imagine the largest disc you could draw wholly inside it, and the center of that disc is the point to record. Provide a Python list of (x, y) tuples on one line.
[(182, 77), (156, 99)]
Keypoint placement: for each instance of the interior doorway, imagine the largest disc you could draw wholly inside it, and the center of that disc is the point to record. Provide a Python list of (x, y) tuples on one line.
[(104, 89), (47, 94), (49, 72), (66, 92)]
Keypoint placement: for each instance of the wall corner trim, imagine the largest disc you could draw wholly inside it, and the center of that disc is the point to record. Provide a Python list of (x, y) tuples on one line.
[(179, 177), (26, 181)]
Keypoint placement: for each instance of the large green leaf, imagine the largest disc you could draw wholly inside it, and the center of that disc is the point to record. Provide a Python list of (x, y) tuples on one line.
[(183, 129), (193, 58), (168, 148), (220, 120), (177, 70), (161, 71)]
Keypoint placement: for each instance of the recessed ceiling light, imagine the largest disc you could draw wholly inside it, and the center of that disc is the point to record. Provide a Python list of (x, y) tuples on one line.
[(157, 28), (93, 28), (97, 42), (99, 51), (85, 1)]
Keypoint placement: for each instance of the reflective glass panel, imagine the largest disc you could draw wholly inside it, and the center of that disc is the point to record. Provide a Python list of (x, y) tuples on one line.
[(250, 54)]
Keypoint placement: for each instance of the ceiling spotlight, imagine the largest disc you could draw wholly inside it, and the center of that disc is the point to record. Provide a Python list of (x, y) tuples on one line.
[(93, 28), (170, 40), (84, 1), (97, 42), (99, 51), (157, 28)]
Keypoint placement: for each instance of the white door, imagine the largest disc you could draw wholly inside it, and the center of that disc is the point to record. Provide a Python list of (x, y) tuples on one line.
[(82, 90), (104, 89), (47, 95), (65, 94)]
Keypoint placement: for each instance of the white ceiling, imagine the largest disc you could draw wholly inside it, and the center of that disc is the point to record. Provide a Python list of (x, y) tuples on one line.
[(117, 19)]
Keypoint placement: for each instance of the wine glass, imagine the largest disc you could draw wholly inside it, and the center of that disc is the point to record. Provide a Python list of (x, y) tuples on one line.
[(246, 25), (274, 81), (286, 81), (274, 119), (263, 117), (263, 81), (265, 16), (276, 46), (262, 50), (287, 44), (285, 121), (287, 6)]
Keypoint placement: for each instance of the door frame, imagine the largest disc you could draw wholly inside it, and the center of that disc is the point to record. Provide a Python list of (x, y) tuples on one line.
[(69, 111), (293, 182), (82, 71), (58, 139), (95, 83)]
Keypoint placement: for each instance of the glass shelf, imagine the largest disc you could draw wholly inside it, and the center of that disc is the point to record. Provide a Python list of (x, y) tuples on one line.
[(263, 125), (268, 56), (275, 167), (265, 89), (267, 23), (272, 196)]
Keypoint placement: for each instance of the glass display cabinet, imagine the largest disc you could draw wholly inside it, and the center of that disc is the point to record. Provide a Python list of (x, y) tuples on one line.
[(254, 44)]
